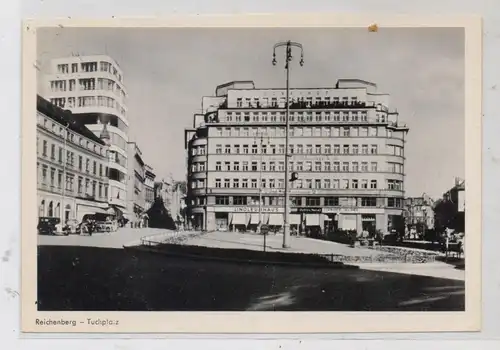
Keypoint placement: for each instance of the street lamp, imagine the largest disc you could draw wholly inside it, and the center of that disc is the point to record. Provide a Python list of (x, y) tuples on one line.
[(288, 45)]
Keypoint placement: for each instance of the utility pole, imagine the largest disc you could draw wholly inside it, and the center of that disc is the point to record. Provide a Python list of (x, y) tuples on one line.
[(288, 45)]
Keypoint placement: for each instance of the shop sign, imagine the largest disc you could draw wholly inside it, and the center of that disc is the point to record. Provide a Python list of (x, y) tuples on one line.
[(255, 210), (311, 210), (339, 210)]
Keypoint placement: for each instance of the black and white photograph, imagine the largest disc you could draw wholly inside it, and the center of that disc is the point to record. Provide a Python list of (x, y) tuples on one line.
[(251, 169)]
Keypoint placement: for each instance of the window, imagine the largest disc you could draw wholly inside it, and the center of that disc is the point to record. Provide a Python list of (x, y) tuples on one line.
[(245, 166), (300, 149), (218, 183), (374, 149), (373, 184), (346, 132), (263, 183), (368, 202), (244, 183), (236, 166), (239, 102), (355, 166), (227, 149), (328, 149), (236, 183), (317, 183), (254, 166), (331, 201), (336, 166), (364, 149), (281, 149), (227, 183), (308, 183), (239, 200), (345, 166), (300, 166), (317, 149), (345, 184), (317, 166), (94, 168), (327, 183), (336, 149), (364, 184), (254, 183), (346, 149), (254, 149), (218, 149), (264, 149), (53, 151), (272, 166), (313, 201), (227, 166), (281, 183), (263, 166), (308, 166), (327, 166), (374, 167), (218, 166), (355, 149), (222, 200), (364, 166), (272, 183)]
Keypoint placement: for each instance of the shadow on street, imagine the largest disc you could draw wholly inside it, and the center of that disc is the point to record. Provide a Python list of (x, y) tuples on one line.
[(102, 279)]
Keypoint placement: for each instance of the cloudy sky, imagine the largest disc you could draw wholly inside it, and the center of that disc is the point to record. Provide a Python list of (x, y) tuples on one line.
[(167, 71)]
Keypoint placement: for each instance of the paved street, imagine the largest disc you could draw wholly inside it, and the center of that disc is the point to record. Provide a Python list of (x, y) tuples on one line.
[(93, 278), (103, 240)]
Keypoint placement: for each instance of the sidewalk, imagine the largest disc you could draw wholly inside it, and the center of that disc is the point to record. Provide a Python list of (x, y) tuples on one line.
[(436, 269)]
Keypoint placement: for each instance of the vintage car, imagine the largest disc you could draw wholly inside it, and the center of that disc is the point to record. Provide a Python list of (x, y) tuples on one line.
[(49, 225)]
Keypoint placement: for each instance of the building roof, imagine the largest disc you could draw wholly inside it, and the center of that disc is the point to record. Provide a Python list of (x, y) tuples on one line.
[(65, 117)]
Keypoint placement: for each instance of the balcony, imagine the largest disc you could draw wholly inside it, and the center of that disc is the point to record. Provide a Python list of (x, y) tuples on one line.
[(306, 105)]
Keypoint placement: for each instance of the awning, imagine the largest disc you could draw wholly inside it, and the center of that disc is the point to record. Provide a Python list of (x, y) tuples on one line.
[(254, 219), (294, 219), (275, 220), (312, 220), (348, 222), (239, 219)]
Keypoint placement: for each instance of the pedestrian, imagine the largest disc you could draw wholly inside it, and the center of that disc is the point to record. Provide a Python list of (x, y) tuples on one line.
[(90, 227)]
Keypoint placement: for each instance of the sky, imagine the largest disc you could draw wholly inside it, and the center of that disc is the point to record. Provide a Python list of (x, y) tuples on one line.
[(168, 70)]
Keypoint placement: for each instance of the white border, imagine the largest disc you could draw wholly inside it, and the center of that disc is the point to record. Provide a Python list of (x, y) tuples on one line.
[(275, 322)]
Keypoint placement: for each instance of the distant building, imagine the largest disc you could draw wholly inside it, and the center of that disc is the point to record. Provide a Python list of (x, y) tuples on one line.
[(149, 187), (419, 213), (136, 197), (72, 166), (92, 88), (346, 145), (172, 195), (450, 210)]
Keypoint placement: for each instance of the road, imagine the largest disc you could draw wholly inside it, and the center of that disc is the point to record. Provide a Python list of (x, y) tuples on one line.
[(101, 240), (85, 278)]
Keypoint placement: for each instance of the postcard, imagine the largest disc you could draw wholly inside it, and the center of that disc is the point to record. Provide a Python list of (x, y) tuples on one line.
[(271, 173)]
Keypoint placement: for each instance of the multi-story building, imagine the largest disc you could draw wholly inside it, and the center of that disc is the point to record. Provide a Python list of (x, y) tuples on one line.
[(92, 88), (136, 200), (345, 144), (419, 213), (450, 209), (149, 186), (172, 195), (71, 166)]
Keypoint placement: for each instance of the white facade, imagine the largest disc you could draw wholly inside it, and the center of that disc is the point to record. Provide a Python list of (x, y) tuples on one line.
[(345, 144), (71, 168), (92, 88)]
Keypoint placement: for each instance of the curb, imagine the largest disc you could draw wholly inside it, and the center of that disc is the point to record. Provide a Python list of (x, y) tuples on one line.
[(338, 265)]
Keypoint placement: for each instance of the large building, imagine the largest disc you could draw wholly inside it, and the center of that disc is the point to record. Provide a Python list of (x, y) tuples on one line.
[(71, 166), (136, 198), (346, 145), (450, 209), (419, 213), (149, 186), (172, 195), (92, 88)]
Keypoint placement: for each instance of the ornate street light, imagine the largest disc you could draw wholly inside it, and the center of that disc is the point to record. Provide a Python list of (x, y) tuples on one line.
[(288, 45)]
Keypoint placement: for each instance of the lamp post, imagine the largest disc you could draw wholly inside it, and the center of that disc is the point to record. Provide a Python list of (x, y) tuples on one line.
[(288, 45)]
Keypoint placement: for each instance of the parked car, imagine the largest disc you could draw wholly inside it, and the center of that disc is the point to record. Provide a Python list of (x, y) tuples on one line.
[(72, 227), (48, 225), (110, 226)]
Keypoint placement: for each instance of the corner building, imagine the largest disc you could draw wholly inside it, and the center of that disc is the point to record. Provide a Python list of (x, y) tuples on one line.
[(92, 88), (345, 143)]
